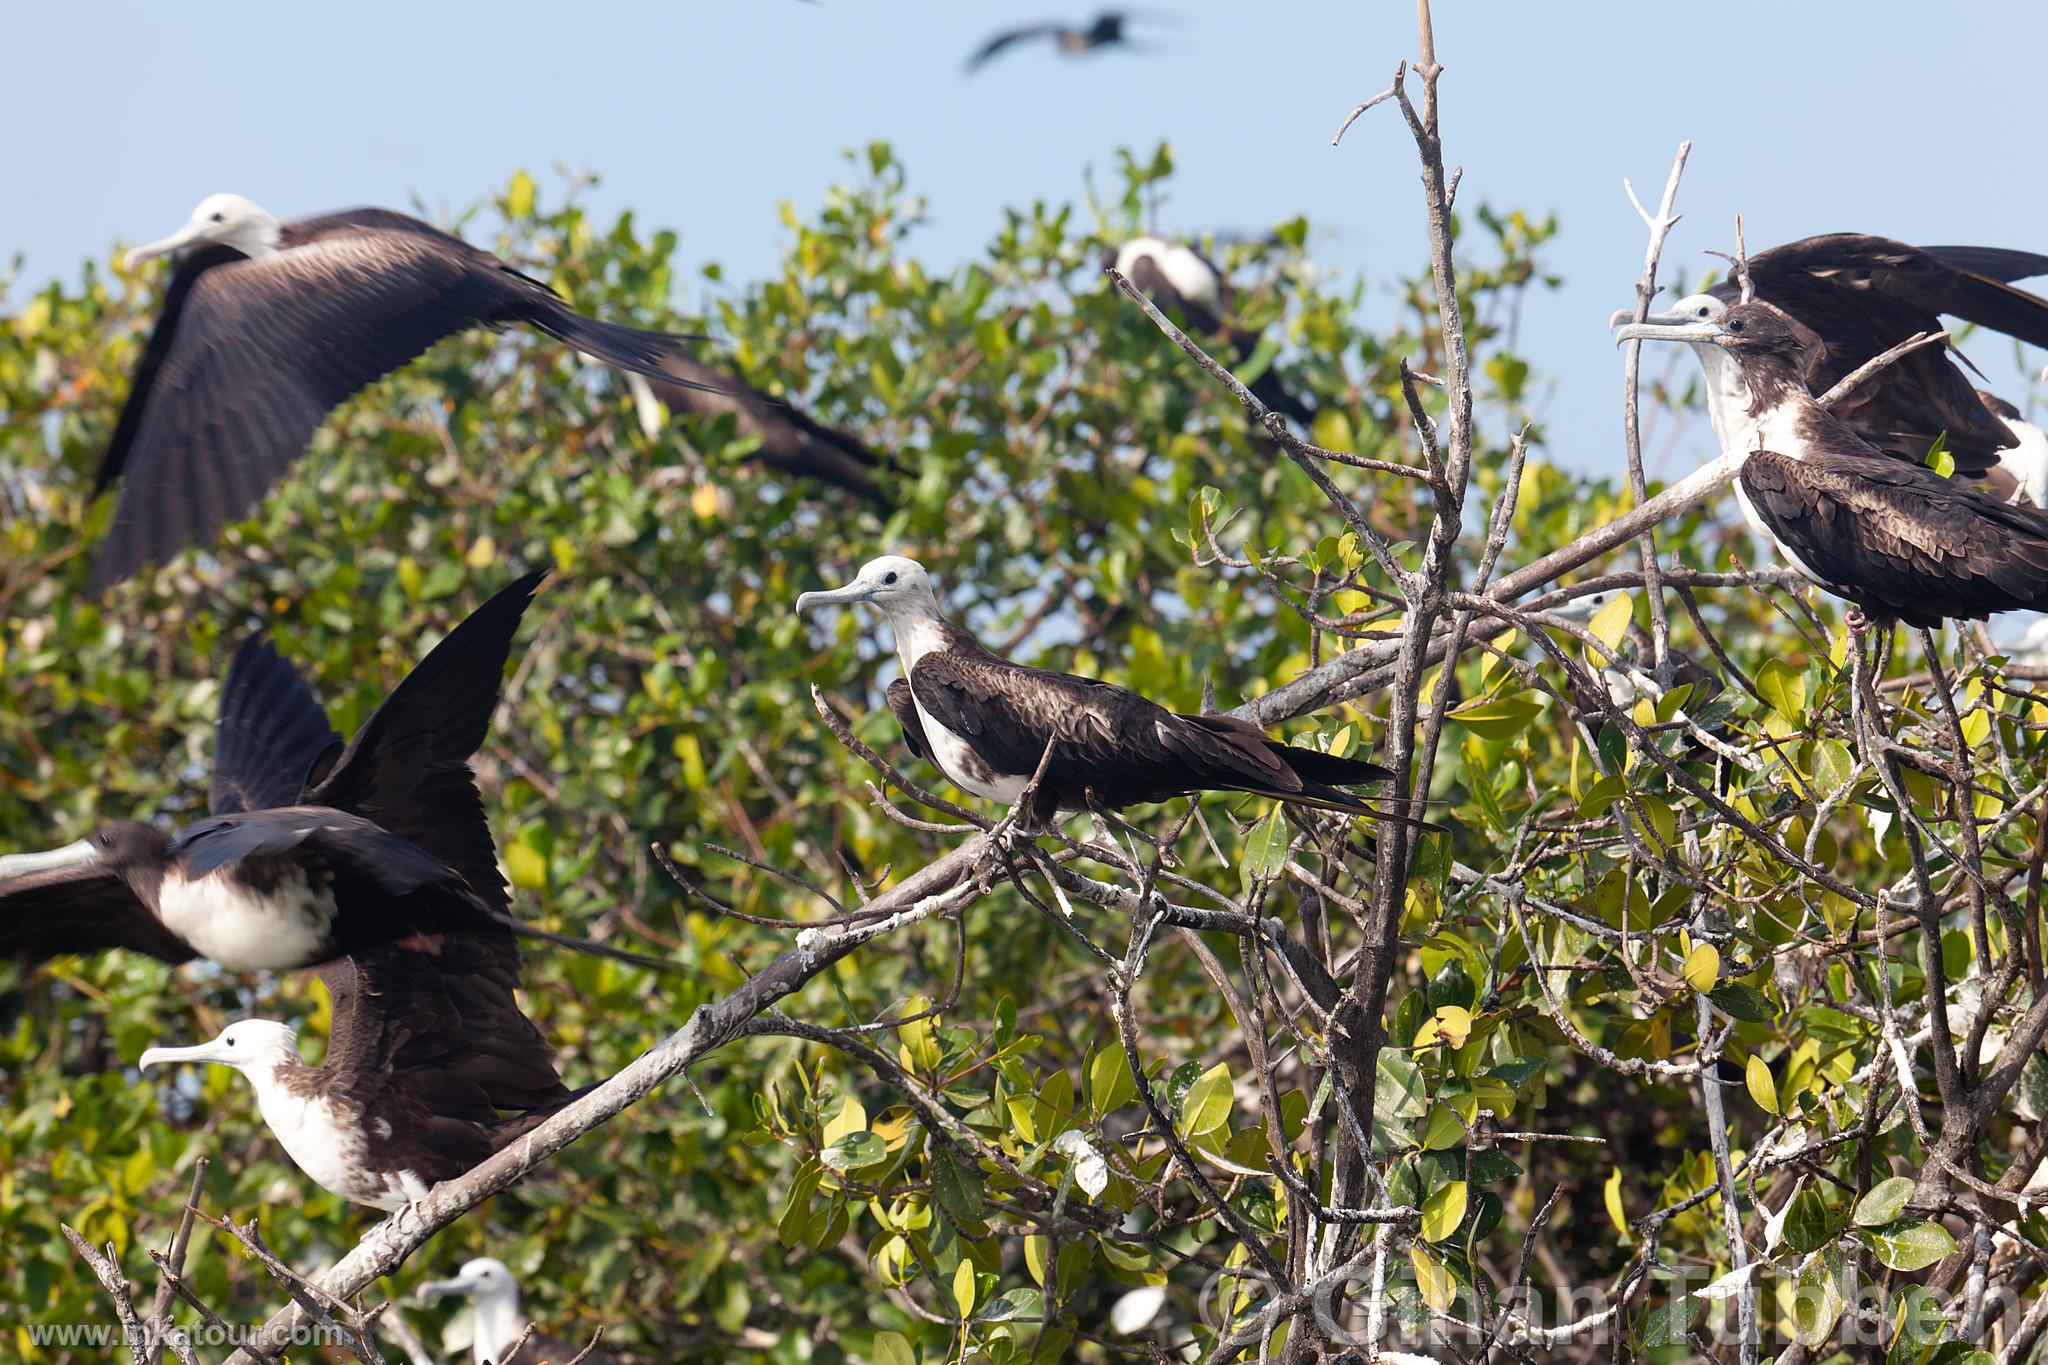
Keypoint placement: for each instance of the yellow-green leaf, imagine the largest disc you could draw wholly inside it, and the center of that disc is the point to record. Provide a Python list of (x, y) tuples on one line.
[(1703, 967), (1762, 1088), (1610, 623), (1444, 1211), (1433, 1278)]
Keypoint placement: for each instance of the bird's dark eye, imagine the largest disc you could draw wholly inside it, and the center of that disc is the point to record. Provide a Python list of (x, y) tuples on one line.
[(1735, 326), (1701, 312), (229, 1041), (889, 577), (220, 217)]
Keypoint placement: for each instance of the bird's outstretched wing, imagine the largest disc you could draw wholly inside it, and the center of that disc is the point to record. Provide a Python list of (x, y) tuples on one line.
[(270, 733), (1008, 38), (408, 768), (79, 909)]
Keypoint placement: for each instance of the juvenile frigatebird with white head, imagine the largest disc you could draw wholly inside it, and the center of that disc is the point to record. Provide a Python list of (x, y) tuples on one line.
[(267, 325), (313, 848), (426, 1053), (1184, 282), (1862, 295), (1892, 536), (496, 1321), (987, 723)]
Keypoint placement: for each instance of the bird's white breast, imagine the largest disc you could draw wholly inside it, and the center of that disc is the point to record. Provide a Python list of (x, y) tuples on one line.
[(327, 1143), (2027, 462), (238, 926), (1187, 272), (966, 768)]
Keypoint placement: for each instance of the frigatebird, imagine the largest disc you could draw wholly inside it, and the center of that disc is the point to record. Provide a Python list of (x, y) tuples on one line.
[(1861, 295), (790, 441), (496, 1322), (312, 849), (988, 723), (1182, 280), (268, 325), (425, 1051), (1892, 536), (1106, 31)]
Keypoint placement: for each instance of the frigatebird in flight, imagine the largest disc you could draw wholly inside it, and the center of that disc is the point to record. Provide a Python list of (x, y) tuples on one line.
[(269, 325), (1182, 280), (426, 1053), (1891, 536), (313, 849), (497, 1324), (987, 723), (1861, 295), (1069, 41)]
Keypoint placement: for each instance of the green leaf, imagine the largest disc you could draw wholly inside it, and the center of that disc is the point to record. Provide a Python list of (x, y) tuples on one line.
[(1884, 1203), (1206, 1106), (526, 865), (1819, 1296), (1017, 1304), (1265, 850), (1439, 1287), (1910, 1246), (854, 1151), (1809, 1223), (1443, 1212), (1667, 1324), (958, 1190), (1501, 719), (1702, 967), (1762, 1088), (892, 1348), (1110, 1084), (1610, 623), (963, 1288), (1746, 1003), (1442, 1129), (520, 196), (1784, 687)]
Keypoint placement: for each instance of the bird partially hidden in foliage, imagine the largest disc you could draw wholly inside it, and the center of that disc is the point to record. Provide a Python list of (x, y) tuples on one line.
[(1892, 536), (1187, 284), (313, 849), (427, 1072), (496, 1322), (267, 325), (1861, 295), (1067, 40), (987, 723)]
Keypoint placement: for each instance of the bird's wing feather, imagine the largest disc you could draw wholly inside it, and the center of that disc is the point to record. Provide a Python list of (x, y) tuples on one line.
[(1008, 37), (249, 358), (270, 733), (1010, 713), (408, 769), (905, 710), (1901, 538), (790, 440), (80, 909)]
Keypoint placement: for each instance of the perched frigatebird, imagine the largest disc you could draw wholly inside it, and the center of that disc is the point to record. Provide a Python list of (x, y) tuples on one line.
[(425, 1052), (1106, 31), (1860, 296), (313, 849), (1182, 280), (497, 1324), (987, 723), (1890, 535), (268, 325)]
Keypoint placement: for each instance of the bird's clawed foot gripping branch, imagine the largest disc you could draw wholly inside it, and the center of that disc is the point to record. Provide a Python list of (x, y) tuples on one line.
[(1691, 867)]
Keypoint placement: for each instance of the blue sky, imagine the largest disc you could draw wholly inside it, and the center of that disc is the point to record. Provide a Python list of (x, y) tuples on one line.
[(1882, 116)]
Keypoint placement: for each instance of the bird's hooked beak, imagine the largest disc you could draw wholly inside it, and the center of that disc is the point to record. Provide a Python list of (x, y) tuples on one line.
[(212, 1051), (21, 864), (177, 241), (1669, 327), (462, 1286), (855, 591)]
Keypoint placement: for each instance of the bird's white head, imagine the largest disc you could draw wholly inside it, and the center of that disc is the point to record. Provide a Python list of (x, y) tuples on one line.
[(484, 1279), (1694, 318), (899, 586), (251, 1046), (222, 219)]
